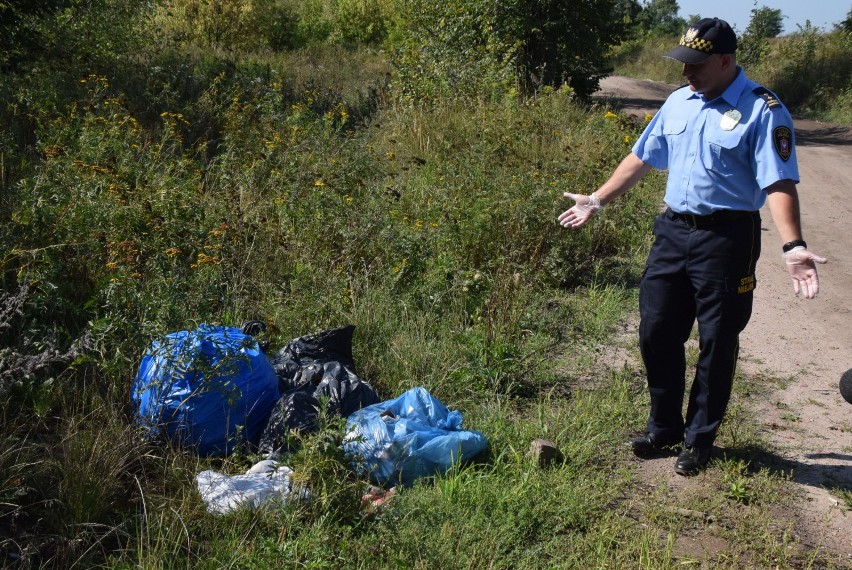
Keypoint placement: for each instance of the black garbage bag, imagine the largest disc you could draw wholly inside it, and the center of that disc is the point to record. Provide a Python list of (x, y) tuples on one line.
[(309, 369)]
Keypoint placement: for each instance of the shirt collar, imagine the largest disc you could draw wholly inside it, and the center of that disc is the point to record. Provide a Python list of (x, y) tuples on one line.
[(732, 92)]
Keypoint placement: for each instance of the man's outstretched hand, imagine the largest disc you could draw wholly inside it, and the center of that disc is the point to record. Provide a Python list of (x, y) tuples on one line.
[(801, 265), (584, 208)]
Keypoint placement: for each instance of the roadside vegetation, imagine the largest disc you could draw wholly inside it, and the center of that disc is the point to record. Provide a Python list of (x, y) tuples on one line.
[(809, 69), (313, 164)]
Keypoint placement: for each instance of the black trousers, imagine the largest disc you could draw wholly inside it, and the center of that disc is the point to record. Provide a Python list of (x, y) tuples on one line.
[(702, 269)]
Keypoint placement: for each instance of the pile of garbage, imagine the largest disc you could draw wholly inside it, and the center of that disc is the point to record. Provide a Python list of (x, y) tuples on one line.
[(214, 390)]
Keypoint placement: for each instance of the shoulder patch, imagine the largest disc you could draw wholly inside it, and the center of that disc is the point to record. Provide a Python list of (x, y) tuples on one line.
[(782, 138), (771, 100)]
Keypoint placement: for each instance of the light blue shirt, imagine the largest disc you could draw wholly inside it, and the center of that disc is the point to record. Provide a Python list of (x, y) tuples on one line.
[(721, 154)]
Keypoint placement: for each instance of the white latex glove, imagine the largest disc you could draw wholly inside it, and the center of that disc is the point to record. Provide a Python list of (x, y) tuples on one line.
[(581, 212), (801, 265)]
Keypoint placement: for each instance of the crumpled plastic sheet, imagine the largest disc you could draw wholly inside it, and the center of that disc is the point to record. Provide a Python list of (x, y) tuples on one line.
[(411, 436), (266, 483)]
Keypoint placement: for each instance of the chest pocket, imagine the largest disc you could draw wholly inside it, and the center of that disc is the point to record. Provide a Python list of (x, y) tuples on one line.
[(723, 151), (674, 128)]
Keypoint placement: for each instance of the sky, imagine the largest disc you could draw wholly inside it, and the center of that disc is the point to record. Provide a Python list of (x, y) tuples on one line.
[(822, 13)]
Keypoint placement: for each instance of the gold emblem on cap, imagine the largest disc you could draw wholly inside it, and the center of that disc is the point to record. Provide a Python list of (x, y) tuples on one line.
[(691, 40)]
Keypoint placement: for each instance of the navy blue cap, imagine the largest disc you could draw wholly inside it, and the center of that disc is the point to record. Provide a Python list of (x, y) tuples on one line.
[(702, 39)]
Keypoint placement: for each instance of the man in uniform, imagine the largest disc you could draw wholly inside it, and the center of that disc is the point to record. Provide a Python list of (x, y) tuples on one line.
[(728, 145)]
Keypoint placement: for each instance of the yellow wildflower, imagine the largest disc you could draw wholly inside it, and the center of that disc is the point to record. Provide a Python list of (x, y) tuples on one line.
[(204, 259)]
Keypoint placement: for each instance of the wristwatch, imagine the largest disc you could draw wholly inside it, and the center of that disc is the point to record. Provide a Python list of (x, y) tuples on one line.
[(793, 244)]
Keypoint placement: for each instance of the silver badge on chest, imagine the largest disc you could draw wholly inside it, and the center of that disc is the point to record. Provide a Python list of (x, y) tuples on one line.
[(730, 119)]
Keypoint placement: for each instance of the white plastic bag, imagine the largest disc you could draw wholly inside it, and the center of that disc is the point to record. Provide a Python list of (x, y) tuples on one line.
[(266, 482)]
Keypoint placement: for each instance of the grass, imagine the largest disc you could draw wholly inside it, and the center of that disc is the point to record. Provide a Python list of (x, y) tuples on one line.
[(262, 189), (845, 496)]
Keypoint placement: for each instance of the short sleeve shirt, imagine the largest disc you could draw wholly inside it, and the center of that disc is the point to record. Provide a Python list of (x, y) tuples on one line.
[(721, 154)]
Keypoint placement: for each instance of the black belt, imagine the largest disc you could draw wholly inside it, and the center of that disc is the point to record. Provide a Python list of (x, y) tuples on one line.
[(716, 218)]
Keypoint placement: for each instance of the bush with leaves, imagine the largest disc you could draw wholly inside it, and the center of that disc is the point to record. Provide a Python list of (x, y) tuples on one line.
[(277, 25), (809, 69), (480, 48)]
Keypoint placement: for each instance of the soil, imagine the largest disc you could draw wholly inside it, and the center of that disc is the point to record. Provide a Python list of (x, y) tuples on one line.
[(807, 343)]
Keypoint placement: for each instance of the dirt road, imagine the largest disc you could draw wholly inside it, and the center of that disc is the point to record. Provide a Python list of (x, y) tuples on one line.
[(808, 342)]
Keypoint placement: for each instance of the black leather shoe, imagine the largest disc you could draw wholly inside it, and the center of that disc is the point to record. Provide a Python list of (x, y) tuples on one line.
[(649, 444), (692, 460)]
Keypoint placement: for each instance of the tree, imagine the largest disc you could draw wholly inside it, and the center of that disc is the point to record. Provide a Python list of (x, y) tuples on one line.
[(477, 47), (765, 23), (846, 24), (627, 10), (660, 17), (66, 32), (562, 42)]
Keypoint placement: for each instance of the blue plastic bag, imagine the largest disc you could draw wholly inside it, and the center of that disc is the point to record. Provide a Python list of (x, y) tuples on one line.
[(412, 436), (211, 388)]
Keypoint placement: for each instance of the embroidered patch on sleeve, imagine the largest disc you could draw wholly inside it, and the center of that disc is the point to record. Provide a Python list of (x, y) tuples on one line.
[(782, 137), (747, 284)]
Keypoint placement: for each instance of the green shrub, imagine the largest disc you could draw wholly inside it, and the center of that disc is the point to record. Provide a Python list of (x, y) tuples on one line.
[(840, 108), (480, 49), (816, 67), (252, 25), (643, 58)]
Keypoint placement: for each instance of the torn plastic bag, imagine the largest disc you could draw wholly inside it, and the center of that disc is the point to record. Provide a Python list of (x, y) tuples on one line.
[(309, 369), (265, 483), (211, 388), (414, 435)]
